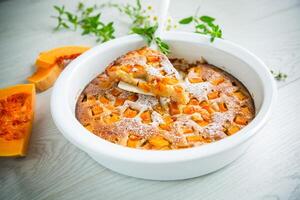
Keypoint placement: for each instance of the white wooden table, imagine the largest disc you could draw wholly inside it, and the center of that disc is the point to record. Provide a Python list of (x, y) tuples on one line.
[(55, 169)]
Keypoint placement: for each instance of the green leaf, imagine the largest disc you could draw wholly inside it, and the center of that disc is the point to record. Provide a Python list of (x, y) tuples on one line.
[(207, 19), (201, 26), (138, 3), (59, 10), (186, 20), (65, 25), (80, 6), (163, 47)]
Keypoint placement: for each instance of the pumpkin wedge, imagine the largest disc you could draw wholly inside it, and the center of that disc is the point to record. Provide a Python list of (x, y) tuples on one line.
[(45, 78), (51, 63), (47, 59), (16, 117)]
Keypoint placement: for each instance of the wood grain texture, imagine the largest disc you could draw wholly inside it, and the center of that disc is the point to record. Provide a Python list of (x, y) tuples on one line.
[(55, 169)]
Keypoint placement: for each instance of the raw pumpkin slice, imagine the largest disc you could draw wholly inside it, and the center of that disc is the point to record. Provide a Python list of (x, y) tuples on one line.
[(16, 117), (45, 78), (47, 59)]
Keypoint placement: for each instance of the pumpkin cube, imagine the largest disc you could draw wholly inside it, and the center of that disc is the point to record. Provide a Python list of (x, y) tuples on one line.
[(165, 127), (194, 138), (173, 107), (240, 120), (119, 101), (112, 118), (97, 110), (232, 129), (103, 100), (146, 117), (239, 95), (133, 97), (195, 79), (130, 113), (222, 107), (217, 81), (213, 95), (158, 141)]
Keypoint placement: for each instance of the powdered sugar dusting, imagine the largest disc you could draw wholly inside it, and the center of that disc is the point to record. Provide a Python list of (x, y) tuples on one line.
[(203, 122), (156, 118), (198, 90)]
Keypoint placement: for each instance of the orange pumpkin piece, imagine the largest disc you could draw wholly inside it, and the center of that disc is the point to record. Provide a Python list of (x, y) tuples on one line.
[(16, 118), (203, 123), (205, 115), (217, 81), (111, 118), (195, 79), (133, 141), (189, 110), (173, 106), (146, 117), (187, 130), (213, 95), (44, 78), (194, 138), (232, 129), (207, 107), (97, 110), (47, 59), (158, 141), (223, 107), (245, 110), (116, 92), (104, 100), (51, 63), (170, 81), (119, 101), (240, 120), (130, 113), (153, 58), (144, 86), (168, 119), (133, 97), (165, 127), (239, 95)]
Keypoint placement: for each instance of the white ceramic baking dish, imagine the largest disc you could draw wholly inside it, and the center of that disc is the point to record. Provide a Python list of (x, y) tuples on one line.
[(173, 164)]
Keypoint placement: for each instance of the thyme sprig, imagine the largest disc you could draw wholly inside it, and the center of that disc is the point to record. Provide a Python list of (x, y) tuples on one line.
[(279, 76), (204, 25), (148, 33), (135, 12), (89, 23)]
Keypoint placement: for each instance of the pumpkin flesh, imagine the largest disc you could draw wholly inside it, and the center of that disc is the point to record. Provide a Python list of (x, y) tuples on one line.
[(47, 59), (16, 117), (51, 63)]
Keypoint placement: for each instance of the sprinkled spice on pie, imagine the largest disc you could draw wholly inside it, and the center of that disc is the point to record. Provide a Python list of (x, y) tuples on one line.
[(216, 104)]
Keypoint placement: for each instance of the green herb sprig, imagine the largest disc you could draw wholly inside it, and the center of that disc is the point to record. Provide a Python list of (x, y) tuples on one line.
[(279, 76), (141, 23), (135, 12), (204, 25), (88, 22), (148, 33)]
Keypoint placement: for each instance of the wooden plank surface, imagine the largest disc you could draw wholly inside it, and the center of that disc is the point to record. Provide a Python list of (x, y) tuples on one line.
[(55, 169)]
